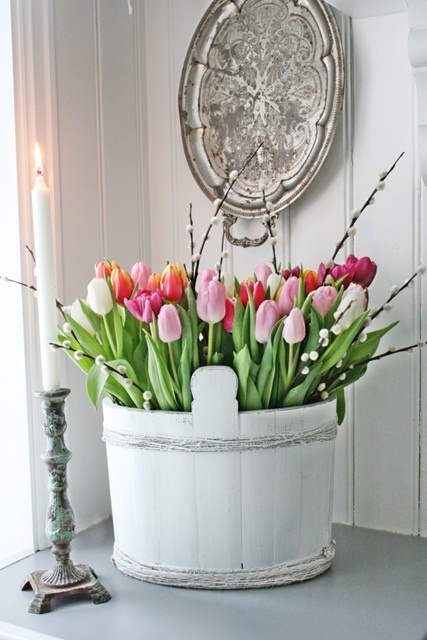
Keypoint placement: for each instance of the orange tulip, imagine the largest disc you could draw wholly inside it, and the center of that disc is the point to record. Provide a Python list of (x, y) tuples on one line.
[(122, 284), (104, 268), (171, 283)]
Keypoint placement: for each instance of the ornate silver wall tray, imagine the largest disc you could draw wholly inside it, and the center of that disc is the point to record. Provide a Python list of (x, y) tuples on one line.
[(261, 71)]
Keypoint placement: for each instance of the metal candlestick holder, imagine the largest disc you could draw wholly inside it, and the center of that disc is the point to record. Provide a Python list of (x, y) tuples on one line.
[(64, 578)]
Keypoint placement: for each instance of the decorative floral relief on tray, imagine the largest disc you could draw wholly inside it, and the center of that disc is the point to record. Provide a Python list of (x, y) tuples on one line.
[(261, 71)]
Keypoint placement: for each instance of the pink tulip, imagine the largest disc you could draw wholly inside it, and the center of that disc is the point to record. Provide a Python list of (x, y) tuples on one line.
[(323, 298), (210, 302), (140, 273), (230, 312), (288, 294), (266, 317), (169, 323), (145, 304), (294, 327), (262, 272), (206, 276)]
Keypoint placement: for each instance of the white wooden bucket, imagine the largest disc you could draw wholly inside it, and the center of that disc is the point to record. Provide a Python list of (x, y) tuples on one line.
[(218, 499)]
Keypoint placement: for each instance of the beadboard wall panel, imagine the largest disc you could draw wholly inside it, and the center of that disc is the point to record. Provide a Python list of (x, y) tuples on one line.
[(387, 405), (124, 190)]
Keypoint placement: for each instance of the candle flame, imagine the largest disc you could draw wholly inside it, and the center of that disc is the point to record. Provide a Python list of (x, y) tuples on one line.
[(38, 158)]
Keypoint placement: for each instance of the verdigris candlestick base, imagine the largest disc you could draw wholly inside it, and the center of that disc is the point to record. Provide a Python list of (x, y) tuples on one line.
[(64, 578)]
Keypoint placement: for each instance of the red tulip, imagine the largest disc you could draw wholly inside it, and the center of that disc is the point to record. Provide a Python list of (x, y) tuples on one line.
[(310, 281), (230, 312), (122, 284)]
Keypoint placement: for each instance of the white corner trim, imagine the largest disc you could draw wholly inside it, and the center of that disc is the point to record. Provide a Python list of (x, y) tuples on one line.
[(13, 632), (417, 51)]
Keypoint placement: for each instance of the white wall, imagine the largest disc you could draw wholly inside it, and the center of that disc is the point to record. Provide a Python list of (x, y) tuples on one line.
[(122, 189)]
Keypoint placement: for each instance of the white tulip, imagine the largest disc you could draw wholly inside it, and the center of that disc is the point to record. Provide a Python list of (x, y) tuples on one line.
[(99, 296)]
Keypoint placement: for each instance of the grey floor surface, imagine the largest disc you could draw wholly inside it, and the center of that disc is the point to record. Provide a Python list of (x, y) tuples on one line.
[(375, 590)]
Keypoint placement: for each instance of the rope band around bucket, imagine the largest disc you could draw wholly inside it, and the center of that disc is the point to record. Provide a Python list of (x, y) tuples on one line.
[(325, 432), (193, 578)]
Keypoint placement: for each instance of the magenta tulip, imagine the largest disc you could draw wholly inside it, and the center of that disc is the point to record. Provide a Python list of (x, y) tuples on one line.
[(210, 301), (266, 317), (145, 304), (364, 271), (169, 323), (323, 298), (294, 327), (288, 294)]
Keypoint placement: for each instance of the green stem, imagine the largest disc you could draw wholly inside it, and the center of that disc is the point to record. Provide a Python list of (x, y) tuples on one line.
[(173, 366), (110, 337), (210, 342)]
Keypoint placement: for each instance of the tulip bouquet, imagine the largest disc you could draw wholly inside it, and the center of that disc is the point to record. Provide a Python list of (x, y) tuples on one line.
[(292, 336)]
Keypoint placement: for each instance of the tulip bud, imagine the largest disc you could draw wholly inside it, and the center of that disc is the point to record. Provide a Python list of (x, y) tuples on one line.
[(310, 281), (122, 284), (323, 298), (230, 312), (258, 293), (169, 323), (294, 327), (228, 280), (352, 305), (171, 283), (99, 296), (243, 292), (273, 283), (210, 301), (153, 282), (104, 268), (140, 273), (288, 294), (262, 272), (207, 275), (364, 272), (77, 314), (266, 317), (145, 304)]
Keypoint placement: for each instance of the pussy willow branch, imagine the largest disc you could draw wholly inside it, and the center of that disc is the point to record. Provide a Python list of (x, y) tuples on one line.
[(270, 224), (367, 202), (218, 209), (56, 345)]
